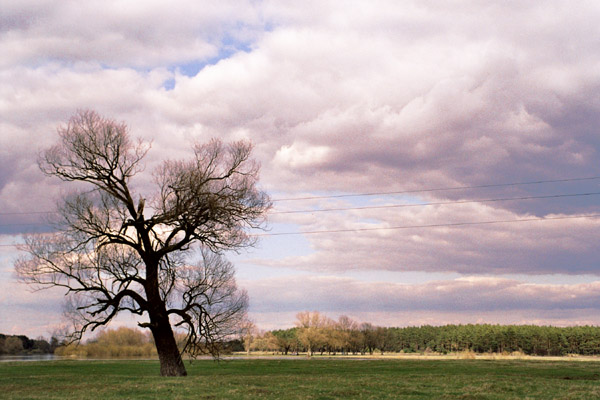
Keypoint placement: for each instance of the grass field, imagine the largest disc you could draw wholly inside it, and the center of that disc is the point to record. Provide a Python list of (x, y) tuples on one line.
[(304, 379)]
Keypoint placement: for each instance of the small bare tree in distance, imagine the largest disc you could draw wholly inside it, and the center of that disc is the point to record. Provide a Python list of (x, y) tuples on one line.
[(311, 330), (114, 251)]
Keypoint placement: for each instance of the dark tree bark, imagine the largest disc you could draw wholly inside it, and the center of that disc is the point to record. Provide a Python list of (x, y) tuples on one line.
[(171, 363), (161, 260)]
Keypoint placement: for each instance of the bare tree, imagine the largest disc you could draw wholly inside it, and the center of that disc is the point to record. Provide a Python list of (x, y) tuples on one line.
[(113, 253), (248, 333), (311, 330)]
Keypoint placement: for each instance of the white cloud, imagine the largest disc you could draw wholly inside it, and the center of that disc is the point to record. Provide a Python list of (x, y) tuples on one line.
[(141, 34), (338, 97), (300, 155), (422, 238), (473, 294)]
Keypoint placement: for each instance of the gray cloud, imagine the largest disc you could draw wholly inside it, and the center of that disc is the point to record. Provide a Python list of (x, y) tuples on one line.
[(428, 243), (123, 34), (287, 319), (469, 294), (370, 111), (367, 106), (359, 97)]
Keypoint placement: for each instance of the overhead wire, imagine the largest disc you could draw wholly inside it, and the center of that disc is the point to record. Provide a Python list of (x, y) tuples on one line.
[(401, 205), (425, 190), (491, 185), (452, 224), (449, 202), (444, 225), (28, 212), (436, 203)]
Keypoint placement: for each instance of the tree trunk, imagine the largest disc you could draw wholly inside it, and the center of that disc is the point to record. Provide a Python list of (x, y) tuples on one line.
[(171, 363)]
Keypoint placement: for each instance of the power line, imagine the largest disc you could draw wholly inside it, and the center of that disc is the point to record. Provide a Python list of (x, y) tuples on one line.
[(22, 224), (552, 196), (445, 225), (438, 189), (437, 203), (428, 226), (396, 205), (28, 212), (426, 190)]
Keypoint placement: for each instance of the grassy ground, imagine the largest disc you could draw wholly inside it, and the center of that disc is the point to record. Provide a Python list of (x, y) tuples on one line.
[(304, 379)]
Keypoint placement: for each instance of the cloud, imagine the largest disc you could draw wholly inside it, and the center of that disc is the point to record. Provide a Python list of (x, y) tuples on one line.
[(467, 238), (383, 110), (287, 319), (462, 300), (472, 294), (37, 101), (416, 96), (140, 34), (28, 312), (338, 98)]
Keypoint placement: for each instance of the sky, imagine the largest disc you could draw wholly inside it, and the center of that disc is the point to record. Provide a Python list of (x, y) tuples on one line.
[(430, 162)]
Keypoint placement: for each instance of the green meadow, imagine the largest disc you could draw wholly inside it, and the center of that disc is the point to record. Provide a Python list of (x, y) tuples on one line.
[(304, 379)]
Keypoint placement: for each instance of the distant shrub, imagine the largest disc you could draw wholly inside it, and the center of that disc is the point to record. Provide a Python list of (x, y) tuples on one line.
[(112, 343), (13, 345), (467, 355)]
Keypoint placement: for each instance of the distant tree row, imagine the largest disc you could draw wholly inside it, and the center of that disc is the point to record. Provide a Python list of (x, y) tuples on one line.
[(315, 332), (22, 345)]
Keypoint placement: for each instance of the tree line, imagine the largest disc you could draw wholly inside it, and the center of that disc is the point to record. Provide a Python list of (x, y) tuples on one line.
[(22, 345), (316, 333)]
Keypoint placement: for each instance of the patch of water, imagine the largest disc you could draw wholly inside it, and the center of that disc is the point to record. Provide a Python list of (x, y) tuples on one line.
[(31, 357)]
